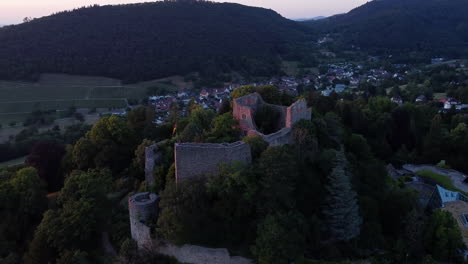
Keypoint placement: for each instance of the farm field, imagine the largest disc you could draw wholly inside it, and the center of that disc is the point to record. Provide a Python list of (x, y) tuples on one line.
[(60, 91), (7, 118), (7, 131), (13, 162), (291, 68)]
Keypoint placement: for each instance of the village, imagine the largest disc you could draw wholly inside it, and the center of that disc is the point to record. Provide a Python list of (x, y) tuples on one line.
[(332, 78)]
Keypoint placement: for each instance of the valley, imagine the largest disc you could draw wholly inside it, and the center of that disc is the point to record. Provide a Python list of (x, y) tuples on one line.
[(199, 132)]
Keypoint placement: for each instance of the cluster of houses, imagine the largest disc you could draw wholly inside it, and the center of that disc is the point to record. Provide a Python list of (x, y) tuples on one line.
[(343, 76), (452, 103), (338, 78), (447, 103), (206, 98), (432, 196), (450, 63)]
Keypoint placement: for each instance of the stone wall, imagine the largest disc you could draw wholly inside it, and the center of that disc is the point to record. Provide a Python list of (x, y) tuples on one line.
[(142, 208), (201, 255), (279, 138), (194, 159), (244, 109), (297, 112), (197, 159), (152, 158)]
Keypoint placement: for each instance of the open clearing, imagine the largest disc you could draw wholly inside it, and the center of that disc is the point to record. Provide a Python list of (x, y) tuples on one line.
[(443, 180), (291, 68), (6, 131), (60, 91), (13, 162)]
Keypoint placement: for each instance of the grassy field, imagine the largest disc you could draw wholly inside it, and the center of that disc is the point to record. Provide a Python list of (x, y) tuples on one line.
[(438, 96), (6, 119), (291, 68), (66, 87), (60, 91), (13, 162), (59, 104), (440, 179), (6, 131)]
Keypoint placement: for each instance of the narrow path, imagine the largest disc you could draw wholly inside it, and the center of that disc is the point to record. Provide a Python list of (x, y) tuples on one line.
[(201, 255), (107, 246)]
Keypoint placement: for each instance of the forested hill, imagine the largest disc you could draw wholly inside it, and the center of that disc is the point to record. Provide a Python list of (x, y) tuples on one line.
[(435, 26), (150, 40)]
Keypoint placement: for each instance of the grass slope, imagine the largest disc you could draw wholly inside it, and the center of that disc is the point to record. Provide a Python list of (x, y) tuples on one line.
[(442, 180)]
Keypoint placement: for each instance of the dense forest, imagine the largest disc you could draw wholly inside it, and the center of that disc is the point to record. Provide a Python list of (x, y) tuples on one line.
[(437, 28), (146, 41), (326, 197)]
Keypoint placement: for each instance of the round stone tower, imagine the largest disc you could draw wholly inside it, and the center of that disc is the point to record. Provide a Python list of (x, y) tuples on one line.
[(143, 209)]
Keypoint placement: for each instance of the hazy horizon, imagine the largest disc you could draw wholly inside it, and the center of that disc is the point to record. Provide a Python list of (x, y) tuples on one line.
[(14, 11)]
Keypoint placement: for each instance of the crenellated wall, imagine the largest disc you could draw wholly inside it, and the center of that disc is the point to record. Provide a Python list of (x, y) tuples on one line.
[(197, 159)]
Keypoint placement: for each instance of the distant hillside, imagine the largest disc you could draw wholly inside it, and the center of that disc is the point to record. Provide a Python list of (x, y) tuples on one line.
[(310, 19), (433, 26), (147, 41)]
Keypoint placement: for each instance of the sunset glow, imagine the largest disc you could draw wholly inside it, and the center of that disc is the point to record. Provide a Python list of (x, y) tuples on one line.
[(13, 11)]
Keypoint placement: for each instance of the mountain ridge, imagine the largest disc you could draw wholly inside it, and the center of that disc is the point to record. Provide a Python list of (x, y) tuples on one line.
[(433, 26), (138, 42)]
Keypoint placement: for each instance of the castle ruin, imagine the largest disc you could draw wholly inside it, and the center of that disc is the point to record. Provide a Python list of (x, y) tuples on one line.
[(196, 159), (244, 109), (143, 209)]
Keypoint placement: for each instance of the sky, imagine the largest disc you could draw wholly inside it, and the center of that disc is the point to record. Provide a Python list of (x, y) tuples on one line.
[(14, 11)]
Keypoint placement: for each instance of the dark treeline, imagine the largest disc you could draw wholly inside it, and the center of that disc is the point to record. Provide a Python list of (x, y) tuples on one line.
[(21, 144), (399, 134), (146, 41), (435, 28)]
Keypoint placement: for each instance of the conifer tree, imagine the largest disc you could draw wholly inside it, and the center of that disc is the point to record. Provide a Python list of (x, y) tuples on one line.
[(341, 209)]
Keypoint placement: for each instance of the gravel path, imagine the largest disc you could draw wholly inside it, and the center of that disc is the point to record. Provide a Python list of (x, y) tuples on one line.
[(201, 255)]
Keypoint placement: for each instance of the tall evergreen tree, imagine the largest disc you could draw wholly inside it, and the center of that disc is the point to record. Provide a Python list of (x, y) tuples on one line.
[(341, 210)]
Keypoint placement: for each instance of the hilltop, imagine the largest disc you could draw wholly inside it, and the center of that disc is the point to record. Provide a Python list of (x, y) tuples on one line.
[(147, 41), (437, 27)]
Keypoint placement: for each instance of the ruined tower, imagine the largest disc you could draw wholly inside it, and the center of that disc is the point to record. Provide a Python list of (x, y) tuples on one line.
[(143, 210), (152, 157)]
